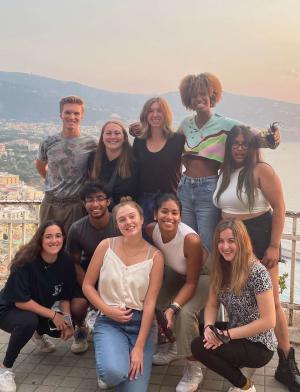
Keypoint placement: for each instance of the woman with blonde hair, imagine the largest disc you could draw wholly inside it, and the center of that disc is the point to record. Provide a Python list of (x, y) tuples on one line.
[(158, 154), (242, 284), (113, 162), (205, 133), (129, 273)]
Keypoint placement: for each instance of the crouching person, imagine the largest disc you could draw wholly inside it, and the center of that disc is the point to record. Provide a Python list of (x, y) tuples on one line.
[(243, 285), (130, 274), (41, 274)]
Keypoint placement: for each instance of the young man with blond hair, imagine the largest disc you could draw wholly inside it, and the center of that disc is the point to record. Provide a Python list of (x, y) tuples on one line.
[(63, 162)]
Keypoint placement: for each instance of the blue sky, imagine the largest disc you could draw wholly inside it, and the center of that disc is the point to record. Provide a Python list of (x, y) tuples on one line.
[(148, 46)]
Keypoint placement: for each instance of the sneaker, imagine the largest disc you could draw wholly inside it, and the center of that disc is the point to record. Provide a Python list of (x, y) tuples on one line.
[(7, 382), (103, 386), (165, 354), (192, 377), (80, 344), (236, 389), (287, 371), (43, 343)]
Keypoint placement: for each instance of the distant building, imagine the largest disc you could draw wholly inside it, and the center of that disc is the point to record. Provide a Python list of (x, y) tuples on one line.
[(2, 149), (9, 179)]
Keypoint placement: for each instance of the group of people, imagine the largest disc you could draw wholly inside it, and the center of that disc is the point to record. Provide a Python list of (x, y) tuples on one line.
[(123, 230)]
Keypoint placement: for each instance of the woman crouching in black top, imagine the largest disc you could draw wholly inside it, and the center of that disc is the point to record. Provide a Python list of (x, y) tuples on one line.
[(41, 274)]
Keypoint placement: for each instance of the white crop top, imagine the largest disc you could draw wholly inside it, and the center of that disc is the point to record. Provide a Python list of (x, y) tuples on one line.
[(231, 204), (173, 250), (121, 285)]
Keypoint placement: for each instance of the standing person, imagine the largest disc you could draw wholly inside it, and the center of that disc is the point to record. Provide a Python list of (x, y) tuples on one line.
[(130, 274), (158, 154), (205, 134), (83, 238), (63, 162), (114, 163), (41, 274), (242, 284), (185, 286), (249, 189)]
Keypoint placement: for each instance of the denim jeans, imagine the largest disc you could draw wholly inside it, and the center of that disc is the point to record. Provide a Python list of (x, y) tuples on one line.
[(113, 343), (198, 210)]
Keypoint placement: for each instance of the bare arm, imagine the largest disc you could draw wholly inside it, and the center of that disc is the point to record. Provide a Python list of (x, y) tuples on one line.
[(270, 185), (41, 167)]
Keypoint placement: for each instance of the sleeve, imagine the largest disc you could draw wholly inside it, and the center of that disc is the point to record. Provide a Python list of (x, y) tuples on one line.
[(17, 288), (42, 152), (70, 278), (260, 279), (72, 244)]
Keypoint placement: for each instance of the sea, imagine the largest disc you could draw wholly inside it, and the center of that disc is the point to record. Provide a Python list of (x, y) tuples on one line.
[(286, 162)]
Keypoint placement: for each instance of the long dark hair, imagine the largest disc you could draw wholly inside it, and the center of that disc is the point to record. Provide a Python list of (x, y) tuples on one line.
[(30, 251), (246, 175), (125, 160)]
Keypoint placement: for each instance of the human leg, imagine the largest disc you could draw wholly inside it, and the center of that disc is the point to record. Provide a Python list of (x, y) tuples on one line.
[(227, 359), (79, 307), (186, 197)]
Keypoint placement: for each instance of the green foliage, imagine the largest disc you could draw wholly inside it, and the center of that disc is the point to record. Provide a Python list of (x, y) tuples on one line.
[(282, 282)]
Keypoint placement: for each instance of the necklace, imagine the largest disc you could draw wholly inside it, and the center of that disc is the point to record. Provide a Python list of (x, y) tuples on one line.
[(134, 254)]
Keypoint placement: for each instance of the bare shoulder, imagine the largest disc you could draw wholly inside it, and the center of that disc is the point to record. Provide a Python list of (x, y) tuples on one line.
[(263, 169), (149, 229)]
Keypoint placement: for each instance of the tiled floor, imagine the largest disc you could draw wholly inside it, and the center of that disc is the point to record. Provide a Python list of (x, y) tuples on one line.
[(63, 371)]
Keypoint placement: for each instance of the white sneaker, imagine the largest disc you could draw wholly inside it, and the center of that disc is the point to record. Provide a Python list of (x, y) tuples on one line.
[(43, 343), (7, 382), (236, 389), (103, 386), (165, 354), (192, 377), (80, 343)]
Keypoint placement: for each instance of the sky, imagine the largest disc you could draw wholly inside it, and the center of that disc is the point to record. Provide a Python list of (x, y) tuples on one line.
[(143, 46)]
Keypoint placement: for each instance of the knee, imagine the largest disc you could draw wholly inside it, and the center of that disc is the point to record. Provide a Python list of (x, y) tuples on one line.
[(197, 348), (112, 374), (28, 323), (79, 309)]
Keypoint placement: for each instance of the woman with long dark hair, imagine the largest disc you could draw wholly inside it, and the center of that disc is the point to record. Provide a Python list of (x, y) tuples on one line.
[(242, 284), (250, 190), (113, 162), (41, 274)]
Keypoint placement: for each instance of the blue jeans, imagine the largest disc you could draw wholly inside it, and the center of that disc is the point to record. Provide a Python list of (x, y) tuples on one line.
[(113, 343), (198, 210)]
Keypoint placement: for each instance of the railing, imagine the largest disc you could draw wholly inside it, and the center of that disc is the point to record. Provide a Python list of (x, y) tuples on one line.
[(290, 234)]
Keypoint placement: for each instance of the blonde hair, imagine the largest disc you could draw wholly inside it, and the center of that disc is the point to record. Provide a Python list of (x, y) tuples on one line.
[(73, 99), (206, 81), (124, 161), (234, 274), (125, 203), (168, 117)]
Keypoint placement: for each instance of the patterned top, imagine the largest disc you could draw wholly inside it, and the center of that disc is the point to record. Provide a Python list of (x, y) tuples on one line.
[(209, 140), (67, 159), (242, 309)]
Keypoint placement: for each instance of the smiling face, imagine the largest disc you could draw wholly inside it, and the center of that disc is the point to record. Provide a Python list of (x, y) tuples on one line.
[(239, 150), (168, 216), (96, 205), (156, 116), (200, 100), (113, 137), (129, 220), (52, 242), (71, 116), (227, 245)]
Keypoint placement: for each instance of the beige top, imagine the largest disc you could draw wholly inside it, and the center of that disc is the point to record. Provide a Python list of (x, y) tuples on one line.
[(121, 285)]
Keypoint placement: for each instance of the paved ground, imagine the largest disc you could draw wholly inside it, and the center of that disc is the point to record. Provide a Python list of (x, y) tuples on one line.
[(63, 371)]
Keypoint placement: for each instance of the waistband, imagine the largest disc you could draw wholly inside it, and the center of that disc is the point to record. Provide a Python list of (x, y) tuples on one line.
[(55, 200), (199, 180), (265, 217)]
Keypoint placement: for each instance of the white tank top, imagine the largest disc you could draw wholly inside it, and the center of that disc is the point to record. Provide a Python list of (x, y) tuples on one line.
[(231, 204), (173, 250), (121, 285)]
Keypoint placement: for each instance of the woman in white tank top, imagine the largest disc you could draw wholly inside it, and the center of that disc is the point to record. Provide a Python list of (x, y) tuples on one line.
[(185, 286), (129, 272), (248, 189)]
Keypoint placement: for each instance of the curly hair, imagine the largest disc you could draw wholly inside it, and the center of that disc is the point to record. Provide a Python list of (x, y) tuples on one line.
[(206, 81)]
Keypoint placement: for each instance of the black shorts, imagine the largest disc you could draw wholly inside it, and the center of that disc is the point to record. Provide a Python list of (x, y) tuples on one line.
[(260, 230), (77, 292)]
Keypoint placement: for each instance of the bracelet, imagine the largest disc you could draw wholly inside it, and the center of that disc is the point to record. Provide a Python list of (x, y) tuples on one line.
[(54, 315), (177, 304), (207, 326), (220, 335), (176, 309)]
